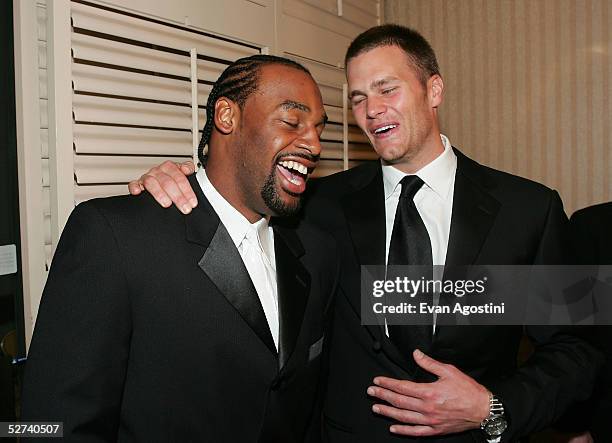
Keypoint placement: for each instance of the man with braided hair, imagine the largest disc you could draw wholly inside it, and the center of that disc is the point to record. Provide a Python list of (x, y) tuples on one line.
[(159, 326)]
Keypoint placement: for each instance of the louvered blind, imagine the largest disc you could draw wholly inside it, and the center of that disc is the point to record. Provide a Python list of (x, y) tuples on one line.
[(132, 93)]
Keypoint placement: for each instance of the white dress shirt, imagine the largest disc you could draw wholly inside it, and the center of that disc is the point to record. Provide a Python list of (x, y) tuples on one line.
[(434, 201), (255, 243)]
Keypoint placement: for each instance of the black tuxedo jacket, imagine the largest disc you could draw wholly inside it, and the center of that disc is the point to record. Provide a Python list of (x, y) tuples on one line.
[(150, 330), (592, 235), (497, 218), (592, 244)]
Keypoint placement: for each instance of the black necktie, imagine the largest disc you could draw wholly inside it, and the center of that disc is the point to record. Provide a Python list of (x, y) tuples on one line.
[(410, 245)]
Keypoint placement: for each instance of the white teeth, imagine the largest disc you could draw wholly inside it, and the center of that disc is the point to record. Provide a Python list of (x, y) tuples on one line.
[(384, 128), (295, 166)]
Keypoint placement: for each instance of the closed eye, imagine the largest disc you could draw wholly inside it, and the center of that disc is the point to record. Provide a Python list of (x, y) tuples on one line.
[(291, 124), (388, 90)]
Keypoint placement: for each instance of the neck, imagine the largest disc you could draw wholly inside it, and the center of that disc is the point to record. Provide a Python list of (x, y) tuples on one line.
[(227, 184), (424, 155)]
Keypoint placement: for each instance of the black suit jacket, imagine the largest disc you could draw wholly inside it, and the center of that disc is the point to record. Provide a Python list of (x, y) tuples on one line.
[(497, 218), (150, 330), (592, 245)]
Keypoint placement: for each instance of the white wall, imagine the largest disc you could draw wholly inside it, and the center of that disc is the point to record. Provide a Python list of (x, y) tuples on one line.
[(527, 86)]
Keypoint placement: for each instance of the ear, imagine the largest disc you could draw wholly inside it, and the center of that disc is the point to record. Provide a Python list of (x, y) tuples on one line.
[(435, 87), (226, 115)]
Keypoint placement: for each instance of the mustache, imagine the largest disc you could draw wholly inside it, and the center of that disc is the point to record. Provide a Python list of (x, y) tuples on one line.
[(309, 157)]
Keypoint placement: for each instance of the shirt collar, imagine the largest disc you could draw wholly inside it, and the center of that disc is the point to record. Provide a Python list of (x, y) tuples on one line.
[(236, 224), (437, 175)]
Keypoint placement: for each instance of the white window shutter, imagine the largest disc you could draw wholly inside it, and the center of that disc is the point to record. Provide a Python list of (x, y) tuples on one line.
[(132, 93)]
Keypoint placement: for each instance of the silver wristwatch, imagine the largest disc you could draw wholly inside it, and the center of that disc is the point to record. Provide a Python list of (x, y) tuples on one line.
[(495, 424)]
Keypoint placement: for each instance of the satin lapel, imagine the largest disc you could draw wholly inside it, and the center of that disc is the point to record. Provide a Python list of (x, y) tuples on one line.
[(474, 211), (224, 267), (293, 287)]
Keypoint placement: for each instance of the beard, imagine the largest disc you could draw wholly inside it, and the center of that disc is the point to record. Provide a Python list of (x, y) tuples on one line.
[(270, 196)]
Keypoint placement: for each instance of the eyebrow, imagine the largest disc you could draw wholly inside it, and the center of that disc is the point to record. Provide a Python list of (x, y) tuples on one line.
[(374, 85), (290, 104)]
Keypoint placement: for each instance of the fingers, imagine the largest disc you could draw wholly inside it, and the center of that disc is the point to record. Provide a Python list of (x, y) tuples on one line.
[(135, 187), (173, 181), (179, 176), (430, 364), (151, 184), (404, 387), (187, 167), (402, 415), (395, 399), (414, 431), (167, 184), (170, 186)]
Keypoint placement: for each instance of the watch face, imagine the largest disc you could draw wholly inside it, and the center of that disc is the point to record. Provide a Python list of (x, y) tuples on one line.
[(495, 426)]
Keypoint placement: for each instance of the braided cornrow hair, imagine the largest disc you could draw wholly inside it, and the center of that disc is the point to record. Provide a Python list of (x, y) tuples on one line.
[(237, 82)]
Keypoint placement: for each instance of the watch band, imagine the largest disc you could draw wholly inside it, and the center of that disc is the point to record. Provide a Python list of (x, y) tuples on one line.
[(495, 406)]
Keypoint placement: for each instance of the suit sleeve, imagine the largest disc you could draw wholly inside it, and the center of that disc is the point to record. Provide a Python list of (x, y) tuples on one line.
[(562, 367), (78, 356), (587, 241)]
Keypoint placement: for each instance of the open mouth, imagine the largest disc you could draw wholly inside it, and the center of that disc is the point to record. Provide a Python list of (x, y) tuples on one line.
[(383, 130), (294, 173)]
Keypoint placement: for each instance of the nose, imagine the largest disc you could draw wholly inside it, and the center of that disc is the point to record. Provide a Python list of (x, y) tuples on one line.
[(311, 142), (375, 107)]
